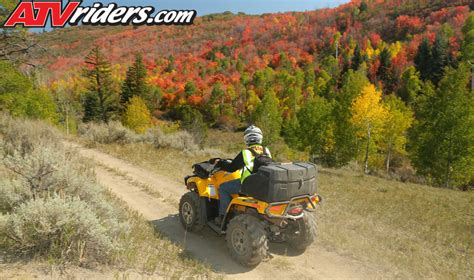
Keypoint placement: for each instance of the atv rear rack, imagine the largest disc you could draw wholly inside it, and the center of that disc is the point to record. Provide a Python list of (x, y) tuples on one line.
[(285, 215)]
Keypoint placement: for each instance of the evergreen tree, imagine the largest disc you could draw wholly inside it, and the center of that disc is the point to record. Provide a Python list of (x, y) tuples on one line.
[(345, 141), (423, 60), (357, 58), (410, 85), (134, 83), (440, 57), (189, 88), (100, 103), (267, 116), (442, 139), (384, 71)]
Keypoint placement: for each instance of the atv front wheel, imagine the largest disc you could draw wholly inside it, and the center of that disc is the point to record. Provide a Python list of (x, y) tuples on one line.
[(192, 212), (247, 240), (302, 232)]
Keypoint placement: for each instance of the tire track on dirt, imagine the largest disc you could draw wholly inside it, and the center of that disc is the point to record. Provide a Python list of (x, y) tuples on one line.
[(126, 181)]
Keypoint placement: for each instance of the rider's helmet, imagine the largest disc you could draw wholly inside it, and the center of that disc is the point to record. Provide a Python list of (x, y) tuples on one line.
[(253, 135)]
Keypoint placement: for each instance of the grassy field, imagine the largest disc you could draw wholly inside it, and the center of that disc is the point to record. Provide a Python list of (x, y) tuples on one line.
[(415, 230)]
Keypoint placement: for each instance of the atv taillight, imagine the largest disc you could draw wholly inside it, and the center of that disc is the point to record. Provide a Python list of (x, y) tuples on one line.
[(295, 210)]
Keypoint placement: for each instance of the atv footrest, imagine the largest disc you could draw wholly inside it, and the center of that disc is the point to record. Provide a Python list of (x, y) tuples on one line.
[(215, 228)]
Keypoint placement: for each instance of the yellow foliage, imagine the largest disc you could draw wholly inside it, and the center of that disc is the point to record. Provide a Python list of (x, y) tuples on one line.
[(368, 112), (395, 48), (137, 117)]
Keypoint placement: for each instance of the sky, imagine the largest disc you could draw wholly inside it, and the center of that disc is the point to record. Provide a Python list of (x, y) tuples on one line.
[(204, 7)]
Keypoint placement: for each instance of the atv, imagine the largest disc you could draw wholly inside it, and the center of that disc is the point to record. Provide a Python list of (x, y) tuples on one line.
[(275, 203)]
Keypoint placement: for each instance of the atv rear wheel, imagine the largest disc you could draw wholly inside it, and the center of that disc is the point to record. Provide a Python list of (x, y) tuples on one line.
[(192, 212), (247, 240), (302, 232)]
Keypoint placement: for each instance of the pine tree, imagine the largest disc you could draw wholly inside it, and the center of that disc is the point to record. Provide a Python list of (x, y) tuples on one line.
[(384, 72), (368, 115), (345, 144), (134, 83), (423, 60), (137, 117), (357, 58), (440, 57), (100, 103), (410, 85), (267, 116), (442, 139)]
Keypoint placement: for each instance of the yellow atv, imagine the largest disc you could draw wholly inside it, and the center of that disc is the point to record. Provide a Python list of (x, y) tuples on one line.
[(274, 204)]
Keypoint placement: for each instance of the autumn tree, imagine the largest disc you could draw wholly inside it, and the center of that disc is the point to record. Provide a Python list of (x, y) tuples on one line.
[(394, 136), (136, 116), (267, 116), (368, 115), (442, 138), (134, 83), (100, 102)]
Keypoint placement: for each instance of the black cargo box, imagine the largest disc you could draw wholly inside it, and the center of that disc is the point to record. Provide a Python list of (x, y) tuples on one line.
[(281, 181)]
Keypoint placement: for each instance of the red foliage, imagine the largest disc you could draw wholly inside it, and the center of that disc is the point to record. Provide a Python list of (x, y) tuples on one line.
[(408, 25)]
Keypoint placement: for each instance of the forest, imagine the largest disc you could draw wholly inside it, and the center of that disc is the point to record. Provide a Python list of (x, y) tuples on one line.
[(387, 84)]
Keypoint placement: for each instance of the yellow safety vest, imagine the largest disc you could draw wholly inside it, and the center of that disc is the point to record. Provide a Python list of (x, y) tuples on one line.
[(248, 160)]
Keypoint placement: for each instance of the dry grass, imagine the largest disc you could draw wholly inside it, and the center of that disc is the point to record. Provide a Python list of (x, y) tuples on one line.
[(414, 230), (417, 230)]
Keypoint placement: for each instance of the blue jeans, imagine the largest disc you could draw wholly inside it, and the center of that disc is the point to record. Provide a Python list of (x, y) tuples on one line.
[(225, 194)]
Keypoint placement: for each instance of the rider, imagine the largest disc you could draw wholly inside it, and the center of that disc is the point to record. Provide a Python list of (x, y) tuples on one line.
[(244, 161)]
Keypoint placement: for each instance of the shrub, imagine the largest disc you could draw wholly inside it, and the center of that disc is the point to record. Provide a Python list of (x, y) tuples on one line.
[(22, 135), (181, 140), (114, 132), (12, 193), (63, 229)]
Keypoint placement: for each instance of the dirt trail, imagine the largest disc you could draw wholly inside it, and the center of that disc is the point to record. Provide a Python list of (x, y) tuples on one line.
[(133, 185)]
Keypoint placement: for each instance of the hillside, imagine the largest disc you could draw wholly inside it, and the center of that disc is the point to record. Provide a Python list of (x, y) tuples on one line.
[(303, 36)]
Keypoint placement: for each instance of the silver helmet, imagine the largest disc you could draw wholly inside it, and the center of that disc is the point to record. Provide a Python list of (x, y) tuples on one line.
[(253, 135)]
